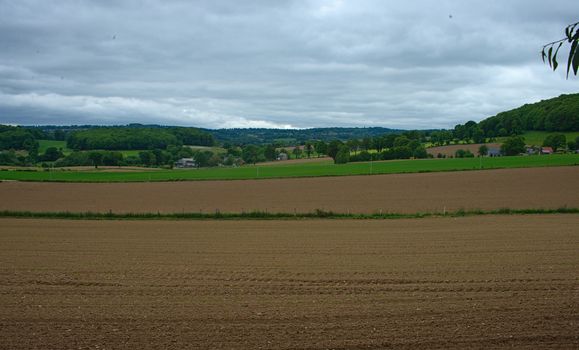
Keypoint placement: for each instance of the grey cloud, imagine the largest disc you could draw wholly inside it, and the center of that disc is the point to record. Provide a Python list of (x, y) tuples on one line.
[(307, 63)]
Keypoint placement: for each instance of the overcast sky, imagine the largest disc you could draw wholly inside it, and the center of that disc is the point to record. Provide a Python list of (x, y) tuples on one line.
[(265, 63)]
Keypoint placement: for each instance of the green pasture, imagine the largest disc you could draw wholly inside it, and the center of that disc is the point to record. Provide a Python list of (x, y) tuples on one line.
[(296, 170), (43, 145)]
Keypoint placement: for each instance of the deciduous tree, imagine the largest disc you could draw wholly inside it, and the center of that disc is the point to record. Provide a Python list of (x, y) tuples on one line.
[(513, 145)]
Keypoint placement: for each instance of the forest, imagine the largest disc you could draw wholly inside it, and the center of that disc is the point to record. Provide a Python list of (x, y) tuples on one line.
[(556, 114), (132, 138)]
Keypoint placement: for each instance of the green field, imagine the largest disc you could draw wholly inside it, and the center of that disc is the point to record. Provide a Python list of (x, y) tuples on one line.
[(45, 144), (297, 170), (536, 138)]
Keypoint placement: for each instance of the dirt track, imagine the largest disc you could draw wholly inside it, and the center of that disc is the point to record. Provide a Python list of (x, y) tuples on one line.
[(479, 282), (490, 189)]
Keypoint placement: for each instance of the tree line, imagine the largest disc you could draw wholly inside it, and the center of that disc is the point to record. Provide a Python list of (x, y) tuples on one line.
[(292, 137), (128, 138), (409, 144)]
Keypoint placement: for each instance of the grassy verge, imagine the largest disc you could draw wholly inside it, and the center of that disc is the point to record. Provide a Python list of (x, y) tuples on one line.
[(298, 170), (317, 214)]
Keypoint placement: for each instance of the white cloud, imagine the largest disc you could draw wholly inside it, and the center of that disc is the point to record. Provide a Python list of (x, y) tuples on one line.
[(109, 110), (261, 63)]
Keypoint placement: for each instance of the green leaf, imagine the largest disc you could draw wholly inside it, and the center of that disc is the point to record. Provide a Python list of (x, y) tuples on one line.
[(557, 51), (570, 34), (558, 47), (570, 59), (575, 60), (543, 55), (555, 63)]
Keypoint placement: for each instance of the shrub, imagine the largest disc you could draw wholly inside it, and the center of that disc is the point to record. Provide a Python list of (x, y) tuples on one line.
[(461, 153)]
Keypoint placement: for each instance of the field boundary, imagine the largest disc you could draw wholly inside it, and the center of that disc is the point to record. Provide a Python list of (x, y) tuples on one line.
[(263, 215)]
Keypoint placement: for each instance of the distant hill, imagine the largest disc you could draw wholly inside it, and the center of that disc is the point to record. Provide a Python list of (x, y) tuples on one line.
[(555, 114), (288, 137)]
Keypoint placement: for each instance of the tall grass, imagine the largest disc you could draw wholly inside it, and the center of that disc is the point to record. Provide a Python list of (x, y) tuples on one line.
[(262, 215)]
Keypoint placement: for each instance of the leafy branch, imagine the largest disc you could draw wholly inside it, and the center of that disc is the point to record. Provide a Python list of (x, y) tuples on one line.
[(550, 50)]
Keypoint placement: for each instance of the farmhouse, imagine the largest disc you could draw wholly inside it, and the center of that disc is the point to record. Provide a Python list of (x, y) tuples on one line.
[(185, 163), (546, 150)]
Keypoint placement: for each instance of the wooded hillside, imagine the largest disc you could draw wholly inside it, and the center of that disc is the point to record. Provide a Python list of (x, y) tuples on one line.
[(131, 138), (556, 114)]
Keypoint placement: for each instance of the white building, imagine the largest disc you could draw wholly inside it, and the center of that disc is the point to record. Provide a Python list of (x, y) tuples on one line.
[(185, 163)]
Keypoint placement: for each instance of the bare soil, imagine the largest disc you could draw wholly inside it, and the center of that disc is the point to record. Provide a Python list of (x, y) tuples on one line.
[(450, 150), (478, 282), (404, 193)]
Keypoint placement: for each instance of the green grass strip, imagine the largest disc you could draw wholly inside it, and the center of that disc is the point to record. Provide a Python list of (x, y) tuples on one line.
[(260, 215), (297, 170)]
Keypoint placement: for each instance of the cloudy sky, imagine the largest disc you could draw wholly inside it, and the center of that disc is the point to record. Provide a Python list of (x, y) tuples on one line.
[(266, 63)]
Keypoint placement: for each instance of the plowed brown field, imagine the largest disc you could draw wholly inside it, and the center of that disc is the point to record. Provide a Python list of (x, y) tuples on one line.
[(406, 193), (477, 282)]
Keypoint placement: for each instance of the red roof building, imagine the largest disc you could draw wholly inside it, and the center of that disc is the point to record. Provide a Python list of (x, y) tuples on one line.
[(546, 150)]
